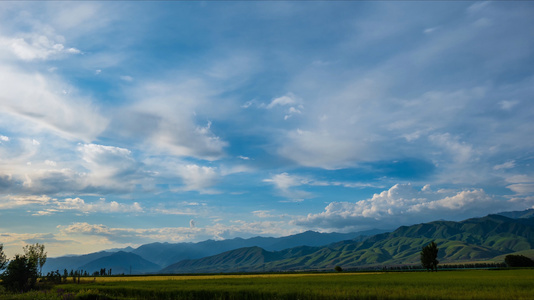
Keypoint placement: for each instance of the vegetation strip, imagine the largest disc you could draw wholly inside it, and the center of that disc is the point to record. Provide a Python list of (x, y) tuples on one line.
[(469, 284)]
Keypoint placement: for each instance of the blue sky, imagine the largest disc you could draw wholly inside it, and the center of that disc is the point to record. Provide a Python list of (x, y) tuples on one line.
[(124, 123)]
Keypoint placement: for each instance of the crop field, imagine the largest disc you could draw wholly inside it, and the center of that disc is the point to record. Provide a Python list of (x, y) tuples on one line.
[(472, 284)]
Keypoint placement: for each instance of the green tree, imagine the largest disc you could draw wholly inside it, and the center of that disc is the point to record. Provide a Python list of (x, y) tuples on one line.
[(338, 269), (3, 258), (20, 274), (37, 254), (518, 261), (429, 255)]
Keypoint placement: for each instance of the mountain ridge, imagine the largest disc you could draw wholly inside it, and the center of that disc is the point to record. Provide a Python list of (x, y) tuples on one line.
[(165, 254), (472, 239)]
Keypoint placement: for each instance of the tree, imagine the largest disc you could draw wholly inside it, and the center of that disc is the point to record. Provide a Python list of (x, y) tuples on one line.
[(518, 261), (3, 258), (20, 274), (429, 255), (37, 254)]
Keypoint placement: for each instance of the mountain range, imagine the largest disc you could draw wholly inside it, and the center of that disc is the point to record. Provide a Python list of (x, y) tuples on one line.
[(488, 238), (165, 254)]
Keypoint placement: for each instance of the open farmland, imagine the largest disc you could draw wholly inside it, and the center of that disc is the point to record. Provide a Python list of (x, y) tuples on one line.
[(473, 284)]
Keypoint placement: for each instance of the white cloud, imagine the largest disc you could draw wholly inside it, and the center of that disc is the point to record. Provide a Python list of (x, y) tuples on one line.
[(522, 185), (50, 163), (294, 103), (12, 201), (508, 105), (35, 46), (460, 151), (506, 165), (477, 7), (323, 149), (4, 138), (101, 206), (403, 205), (45, 205), (287, 99), (263, 214), (109, 166), (285, 183), (165, 117), (127, 78), (430, 30), (36, 101), (198, 178)]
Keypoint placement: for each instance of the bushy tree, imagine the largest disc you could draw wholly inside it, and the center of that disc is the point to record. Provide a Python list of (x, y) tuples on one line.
[(37, 254), (20, 274), (3, 258), (429, 255), (518, 261)]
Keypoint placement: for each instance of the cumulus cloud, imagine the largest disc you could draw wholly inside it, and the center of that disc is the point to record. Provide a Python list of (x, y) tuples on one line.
[(198, 178), (403, 204)]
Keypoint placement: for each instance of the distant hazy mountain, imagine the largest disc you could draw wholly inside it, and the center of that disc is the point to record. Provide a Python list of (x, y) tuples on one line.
[(165, 254), (71, 262), (466, 241), (127, 249), (121, 262)]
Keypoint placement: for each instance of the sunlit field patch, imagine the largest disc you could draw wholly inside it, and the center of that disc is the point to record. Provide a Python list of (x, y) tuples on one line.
[(213, 277)]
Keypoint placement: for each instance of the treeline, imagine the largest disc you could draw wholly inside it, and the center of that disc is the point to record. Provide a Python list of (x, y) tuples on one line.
[(75, 275), (445, 267)]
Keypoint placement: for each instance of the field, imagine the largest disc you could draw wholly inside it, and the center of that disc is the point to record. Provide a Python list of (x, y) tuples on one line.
[(472, 284)]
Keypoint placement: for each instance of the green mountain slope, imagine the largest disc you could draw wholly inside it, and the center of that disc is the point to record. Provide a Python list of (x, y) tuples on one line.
[(469, 240)]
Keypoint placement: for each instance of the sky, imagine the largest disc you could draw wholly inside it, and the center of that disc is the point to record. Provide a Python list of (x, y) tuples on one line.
[(125, 123)]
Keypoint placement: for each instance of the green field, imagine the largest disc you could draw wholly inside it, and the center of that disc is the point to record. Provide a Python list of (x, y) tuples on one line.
[(472, 284)]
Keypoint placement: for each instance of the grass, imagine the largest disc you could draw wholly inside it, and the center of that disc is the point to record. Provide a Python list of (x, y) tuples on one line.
[(472, 284)]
